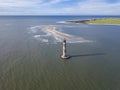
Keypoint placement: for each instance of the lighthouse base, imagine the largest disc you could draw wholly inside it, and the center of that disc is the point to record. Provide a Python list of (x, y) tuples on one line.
[(65, 57)]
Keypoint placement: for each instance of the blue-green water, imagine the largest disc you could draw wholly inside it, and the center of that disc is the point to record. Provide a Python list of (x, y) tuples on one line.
[(30, 61)]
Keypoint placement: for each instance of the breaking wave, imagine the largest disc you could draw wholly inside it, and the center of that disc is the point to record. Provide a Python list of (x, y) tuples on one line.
[(53, 34)]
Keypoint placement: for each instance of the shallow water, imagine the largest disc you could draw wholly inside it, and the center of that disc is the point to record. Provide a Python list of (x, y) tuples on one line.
[(29, 61)]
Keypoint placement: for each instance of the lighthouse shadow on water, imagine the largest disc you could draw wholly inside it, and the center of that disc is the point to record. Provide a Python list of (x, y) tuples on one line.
[(86, 55), (65, 56)]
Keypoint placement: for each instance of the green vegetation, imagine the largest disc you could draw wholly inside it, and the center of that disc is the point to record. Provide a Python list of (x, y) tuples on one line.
[(105, 21)]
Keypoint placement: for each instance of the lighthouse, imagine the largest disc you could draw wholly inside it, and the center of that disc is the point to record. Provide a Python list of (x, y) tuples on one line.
[(64, 56)]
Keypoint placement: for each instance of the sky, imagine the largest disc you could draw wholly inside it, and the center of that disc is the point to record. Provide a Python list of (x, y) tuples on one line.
[(59, 7)]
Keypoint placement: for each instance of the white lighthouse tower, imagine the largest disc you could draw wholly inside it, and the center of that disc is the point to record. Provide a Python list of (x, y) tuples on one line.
[(64, 56)]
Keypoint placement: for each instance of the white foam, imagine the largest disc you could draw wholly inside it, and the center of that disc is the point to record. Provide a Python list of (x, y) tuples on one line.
[(52, 34), (37, 36), (34, 29), (61, 22), (45, 40)]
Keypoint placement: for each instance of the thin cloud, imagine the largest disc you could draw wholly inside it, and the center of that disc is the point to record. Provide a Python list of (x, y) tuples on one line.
[(16, 3), (76, 7), (52, 2), (94, 7), (28, 3)]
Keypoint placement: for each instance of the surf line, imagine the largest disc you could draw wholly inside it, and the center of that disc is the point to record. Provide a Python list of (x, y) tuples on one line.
[(55, 32)]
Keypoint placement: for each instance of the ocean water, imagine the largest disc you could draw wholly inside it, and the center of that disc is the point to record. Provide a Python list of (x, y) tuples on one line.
[(30, 57)]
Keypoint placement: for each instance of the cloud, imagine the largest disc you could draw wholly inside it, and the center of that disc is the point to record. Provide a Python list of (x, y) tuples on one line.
[(16, 3), (102, 7), (51, 2), (76, 7), (28, 3), (94, 7)]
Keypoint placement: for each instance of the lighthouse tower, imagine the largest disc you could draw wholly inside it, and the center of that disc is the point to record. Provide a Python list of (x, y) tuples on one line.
[(64, 56)]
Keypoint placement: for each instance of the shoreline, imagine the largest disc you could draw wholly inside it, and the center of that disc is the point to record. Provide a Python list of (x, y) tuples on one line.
[(96, 21), (55, 32)]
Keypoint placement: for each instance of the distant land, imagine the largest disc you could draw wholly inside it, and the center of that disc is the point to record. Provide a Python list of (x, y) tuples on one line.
[(106, 21)]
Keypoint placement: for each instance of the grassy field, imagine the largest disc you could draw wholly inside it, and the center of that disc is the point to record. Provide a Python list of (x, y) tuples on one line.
[(105, 21)]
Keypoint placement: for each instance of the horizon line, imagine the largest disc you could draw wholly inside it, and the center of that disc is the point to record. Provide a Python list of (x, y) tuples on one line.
[(59, 15)]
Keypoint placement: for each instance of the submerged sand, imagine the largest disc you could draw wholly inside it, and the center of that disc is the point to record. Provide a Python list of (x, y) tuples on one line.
[(56, 32)]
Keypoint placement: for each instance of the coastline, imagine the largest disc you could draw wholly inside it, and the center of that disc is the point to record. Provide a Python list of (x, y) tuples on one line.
[(55, 32), (96, 21), (105, 24)]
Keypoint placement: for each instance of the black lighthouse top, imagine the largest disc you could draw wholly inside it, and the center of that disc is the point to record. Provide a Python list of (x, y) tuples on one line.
[(64, 40)]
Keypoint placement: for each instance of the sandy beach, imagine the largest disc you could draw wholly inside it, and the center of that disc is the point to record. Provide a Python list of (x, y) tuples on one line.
[(55, 32)]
